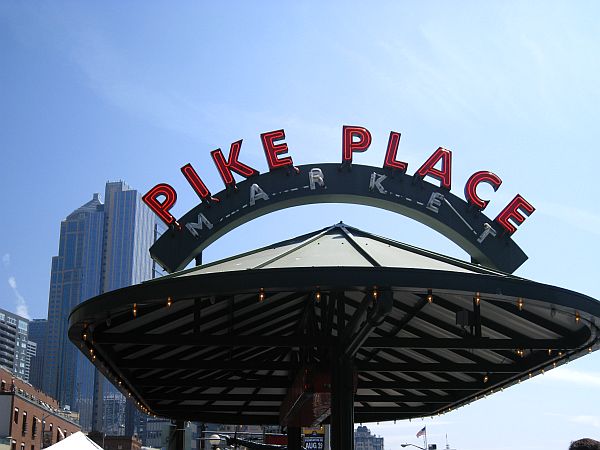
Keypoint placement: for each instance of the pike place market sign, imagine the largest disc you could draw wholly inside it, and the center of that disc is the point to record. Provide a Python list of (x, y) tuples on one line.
[(424, 196)]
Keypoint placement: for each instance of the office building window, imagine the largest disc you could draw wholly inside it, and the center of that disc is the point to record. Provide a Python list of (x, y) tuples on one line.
[(24, 425)]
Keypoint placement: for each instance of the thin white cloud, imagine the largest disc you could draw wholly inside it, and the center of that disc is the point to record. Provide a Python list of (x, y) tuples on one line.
[(6, 260), (112, 77), (577, 218), (564, 374), (21, 309), (593, 421)]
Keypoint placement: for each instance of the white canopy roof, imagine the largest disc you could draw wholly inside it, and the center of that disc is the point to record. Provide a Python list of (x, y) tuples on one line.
[(77, 441)]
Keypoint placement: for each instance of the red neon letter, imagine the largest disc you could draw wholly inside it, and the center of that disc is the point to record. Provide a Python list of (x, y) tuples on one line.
[(349, 145), (472, 183), (273, 150), (196, 182), (232, 164), (444, 176), (513, 211), (392, 151), (161, 209)]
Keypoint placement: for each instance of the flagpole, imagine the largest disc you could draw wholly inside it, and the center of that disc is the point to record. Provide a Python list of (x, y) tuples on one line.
[(425, 439)]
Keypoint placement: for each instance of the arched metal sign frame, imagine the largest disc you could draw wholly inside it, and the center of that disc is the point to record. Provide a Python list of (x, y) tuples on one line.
[(482, 238)]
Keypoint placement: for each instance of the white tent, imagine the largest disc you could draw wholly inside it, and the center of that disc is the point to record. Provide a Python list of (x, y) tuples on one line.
[(77, 441)]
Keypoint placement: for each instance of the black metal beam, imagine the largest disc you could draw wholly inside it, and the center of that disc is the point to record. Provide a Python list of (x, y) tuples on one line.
[(359, 416), (171, 363), (260, 385), (123, 317), (399, 325), (470, 343), (392, 410), (200, 396), (269, 322), (456, 331), (212, 340), (357, 318), (402, 324), (485, 321), (403, 385), (208, 376), (185, 413), (215, 399), (198, 306), (214, 315), (204, 377), (211, 354), (512, 308), (374, 354), (250, 381), (382, 306), (161, 320), (441, 367), (227, 408)]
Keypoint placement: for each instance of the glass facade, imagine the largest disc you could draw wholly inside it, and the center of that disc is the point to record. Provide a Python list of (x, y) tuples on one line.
[(37, 334), (103, 246), (75, 277)]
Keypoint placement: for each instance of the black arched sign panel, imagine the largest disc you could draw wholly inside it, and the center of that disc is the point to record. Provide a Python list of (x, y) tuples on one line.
[(470, 229)]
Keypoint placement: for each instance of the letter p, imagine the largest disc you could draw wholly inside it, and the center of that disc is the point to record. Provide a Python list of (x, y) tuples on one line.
[(354, 139)]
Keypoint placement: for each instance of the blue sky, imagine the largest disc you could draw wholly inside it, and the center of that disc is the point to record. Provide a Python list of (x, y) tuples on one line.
[(91, 92)]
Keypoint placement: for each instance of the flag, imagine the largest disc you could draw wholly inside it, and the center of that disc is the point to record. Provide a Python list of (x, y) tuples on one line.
[(423, 432)]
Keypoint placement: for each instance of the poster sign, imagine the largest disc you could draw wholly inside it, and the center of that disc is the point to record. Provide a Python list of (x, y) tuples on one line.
[(314, 438), (47, 438)]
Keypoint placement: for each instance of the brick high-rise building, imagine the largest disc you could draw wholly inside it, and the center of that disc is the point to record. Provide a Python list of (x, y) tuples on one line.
[(30, 419)]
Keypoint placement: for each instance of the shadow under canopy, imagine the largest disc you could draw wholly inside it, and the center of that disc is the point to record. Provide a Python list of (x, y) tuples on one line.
[(401, 332)]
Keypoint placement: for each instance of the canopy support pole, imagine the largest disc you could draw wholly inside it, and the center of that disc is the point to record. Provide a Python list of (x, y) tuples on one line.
[(294, 438), (342, 404), (177, 438)]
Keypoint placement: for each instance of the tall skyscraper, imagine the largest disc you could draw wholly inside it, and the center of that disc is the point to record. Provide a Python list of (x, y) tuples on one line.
[(15, 348), (103, 246), (37, 334), (364, 440)]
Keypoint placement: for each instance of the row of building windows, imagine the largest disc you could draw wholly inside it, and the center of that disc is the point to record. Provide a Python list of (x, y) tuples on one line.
[(14, 446), (60, 434), (9, 319)]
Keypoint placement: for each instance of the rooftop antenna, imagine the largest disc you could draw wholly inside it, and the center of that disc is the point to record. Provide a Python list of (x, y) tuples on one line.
[(447, 446)]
